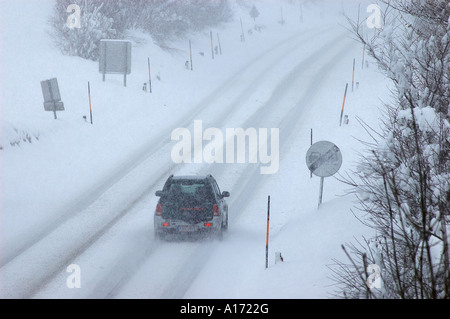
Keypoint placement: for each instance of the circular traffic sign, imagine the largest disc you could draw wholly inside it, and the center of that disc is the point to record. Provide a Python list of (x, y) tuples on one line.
[(324, 159)]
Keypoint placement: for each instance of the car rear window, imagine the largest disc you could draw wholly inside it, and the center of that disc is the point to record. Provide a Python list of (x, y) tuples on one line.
[(184, 189)]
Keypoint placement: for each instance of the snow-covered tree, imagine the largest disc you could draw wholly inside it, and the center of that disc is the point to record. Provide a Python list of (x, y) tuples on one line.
[(163, 19), (95, 24), (403, 182)]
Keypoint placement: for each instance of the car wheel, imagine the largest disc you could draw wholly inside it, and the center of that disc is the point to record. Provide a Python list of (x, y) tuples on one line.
[(225, 224)]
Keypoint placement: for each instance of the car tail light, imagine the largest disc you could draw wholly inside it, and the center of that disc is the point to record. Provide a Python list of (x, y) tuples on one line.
[(165, 224), (215, 210), (208, 224), (158, 210)]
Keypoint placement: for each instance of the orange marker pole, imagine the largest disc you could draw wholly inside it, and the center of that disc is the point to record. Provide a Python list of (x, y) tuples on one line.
[(267, 233), (90, 106), (343, 104)]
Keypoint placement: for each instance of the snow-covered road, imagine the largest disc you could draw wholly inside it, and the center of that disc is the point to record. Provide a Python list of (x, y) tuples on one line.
[(108, 256)]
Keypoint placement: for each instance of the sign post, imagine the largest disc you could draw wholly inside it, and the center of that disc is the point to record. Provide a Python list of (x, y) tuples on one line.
[(320, 191), (323, 159)]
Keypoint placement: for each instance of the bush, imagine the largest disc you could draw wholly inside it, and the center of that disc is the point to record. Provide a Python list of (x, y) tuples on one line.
[(162, 19), (403, 183)]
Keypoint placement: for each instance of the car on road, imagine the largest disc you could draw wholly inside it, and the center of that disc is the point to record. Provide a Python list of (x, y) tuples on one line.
[(191, 205)]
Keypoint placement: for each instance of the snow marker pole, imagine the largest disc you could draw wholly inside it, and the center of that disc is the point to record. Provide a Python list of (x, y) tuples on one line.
[(267, 233), (364, 51), (149, 76), (353, 74), (343, 104), (89, 94), (218, 41), (212, 45), (190, 53)]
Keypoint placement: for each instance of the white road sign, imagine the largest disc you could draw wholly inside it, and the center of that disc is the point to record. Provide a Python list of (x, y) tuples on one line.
[(324, 159)]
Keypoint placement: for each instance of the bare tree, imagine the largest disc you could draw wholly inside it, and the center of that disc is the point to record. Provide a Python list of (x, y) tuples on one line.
[(403, 181)]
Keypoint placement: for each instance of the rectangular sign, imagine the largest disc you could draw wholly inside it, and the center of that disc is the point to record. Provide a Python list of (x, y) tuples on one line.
[(115, 57), (54, 106), (50, 90)]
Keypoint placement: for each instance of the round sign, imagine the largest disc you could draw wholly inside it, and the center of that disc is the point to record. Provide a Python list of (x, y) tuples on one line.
[(323, 159)]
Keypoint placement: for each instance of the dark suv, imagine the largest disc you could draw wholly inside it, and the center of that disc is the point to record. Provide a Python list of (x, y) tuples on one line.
[(191, 205)]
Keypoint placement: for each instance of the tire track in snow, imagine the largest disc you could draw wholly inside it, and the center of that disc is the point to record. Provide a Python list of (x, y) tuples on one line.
[(108, 288), (181, 283), (248, 181)]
